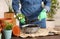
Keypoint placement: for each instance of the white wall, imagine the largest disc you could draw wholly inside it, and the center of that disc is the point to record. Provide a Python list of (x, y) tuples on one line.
[(3, 8), (57, 17)]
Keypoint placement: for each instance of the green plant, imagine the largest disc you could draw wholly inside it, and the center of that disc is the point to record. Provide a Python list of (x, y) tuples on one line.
[(8, 26), (54, 8), (8, 2)]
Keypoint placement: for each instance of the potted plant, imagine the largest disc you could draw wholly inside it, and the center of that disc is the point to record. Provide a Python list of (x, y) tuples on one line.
[(50, 16), (8, 30), (54, 7), (10, 13)]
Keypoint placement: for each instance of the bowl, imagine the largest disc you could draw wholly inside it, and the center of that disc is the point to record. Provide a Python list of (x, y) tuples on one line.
[(30, 28)]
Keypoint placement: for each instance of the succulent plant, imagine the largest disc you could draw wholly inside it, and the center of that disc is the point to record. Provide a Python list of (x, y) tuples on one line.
[(8, 26)]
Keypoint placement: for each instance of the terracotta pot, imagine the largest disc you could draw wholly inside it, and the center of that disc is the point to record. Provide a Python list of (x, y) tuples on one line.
[(16, 30), (10, 15), (0, 28), (8, 20), (1, 20), (1, 23), (5, 19)]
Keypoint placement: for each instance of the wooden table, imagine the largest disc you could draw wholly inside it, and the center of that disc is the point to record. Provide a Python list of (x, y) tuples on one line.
[(46, 37)]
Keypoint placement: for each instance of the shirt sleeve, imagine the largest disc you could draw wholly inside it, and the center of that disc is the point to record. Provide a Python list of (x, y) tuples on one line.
[(15, 6), (47, 5)]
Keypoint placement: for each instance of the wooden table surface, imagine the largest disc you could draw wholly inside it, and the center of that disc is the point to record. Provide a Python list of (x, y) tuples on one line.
[(45, 37)]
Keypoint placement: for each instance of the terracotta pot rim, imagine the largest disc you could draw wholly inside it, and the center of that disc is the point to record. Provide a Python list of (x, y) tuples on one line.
[(7, 18)]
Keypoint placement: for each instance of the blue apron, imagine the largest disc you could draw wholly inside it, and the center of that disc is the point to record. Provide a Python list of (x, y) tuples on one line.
[(31, 7)]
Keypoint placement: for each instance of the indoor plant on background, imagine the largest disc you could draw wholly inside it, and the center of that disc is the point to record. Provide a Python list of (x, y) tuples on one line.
[(10, 13), (8, 30), (9, 4), (54, 7), (50, 16)]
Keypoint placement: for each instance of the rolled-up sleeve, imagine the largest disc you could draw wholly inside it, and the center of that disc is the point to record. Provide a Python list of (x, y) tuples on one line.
[(47, 4), (15, 6)]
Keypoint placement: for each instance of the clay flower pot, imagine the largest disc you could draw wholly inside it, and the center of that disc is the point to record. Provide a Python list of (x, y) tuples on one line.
[(16, 30), (1, 23), (0, 29), (8, 20)]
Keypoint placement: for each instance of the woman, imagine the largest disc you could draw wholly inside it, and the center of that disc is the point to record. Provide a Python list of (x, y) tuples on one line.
[(32, 10)]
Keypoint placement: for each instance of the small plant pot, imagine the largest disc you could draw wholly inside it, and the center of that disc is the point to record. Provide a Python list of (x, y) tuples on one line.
[(0, 35), (16, 31), (7, 34), (30, 28), (50, 24)]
